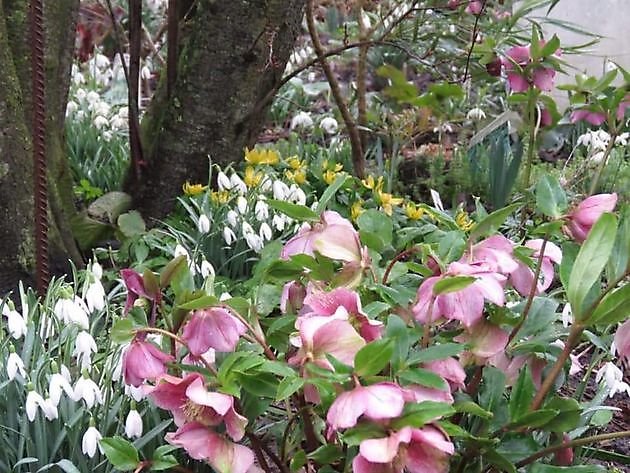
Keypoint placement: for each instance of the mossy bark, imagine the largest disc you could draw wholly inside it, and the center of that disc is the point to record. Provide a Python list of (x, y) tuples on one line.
[(232, 52), (17, 260)]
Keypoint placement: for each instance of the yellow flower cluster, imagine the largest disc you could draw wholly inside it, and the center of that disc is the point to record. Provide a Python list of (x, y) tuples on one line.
[(387, 200), (413, 211), (193, 189), (330, 171), (261, 156), (463, 220), (252, 178), (220, 197), (356, 210), (297, 173)]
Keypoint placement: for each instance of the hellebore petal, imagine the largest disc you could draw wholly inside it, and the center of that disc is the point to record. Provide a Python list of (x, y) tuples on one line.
[(384, 450), (428, 451), (292, 298), (142, 361), (594, 118), (496, 252), (212, 328), (486, 340), (377, 402), (517, 82), (581, 220), (622, 340), (450, 369), (542, 77), (338, 242), (361, 465)]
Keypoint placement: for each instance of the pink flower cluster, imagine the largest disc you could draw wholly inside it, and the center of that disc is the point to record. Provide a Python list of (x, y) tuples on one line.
[(523, 72)]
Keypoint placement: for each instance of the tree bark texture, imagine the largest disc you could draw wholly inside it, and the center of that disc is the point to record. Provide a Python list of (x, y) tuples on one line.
[(231, 53), (17, 254)]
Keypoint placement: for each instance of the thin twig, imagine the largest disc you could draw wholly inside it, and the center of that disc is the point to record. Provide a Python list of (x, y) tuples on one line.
[(474, 40)]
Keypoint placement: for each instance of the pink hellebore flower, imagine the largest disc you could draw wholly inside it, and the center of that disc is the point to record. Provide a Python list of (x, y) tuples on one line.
[(322, 335), (202, 443), (292, 298), (474, 7), (214, 328), (328, 303), (582, 219), (135, 288), (376, 402), (333, 236), (189, 401), (623, 105), (564, 456), (450, 369), (594, 118), (425, 450), (622, 340), (518, 58), (144, 361), (466, 304), (485, 339), (496, 252), (522, 278)]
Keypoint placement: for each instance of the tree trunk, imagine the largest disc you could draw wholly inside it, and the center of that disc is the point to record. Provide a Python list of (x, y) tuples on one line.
[(232, 52), (17, 254)]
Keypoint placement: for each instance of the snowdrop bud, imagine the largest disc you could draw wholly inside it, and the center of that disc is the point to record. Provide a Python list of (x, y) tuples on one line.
[(58, 384), (254, 242), (83, 349), (247, 229), (265, 232), (97, 270), (238, 184), (266, 184), (232, 218), (297, 195), (229, 236), (280, 190), (71, 107), (223, 181), (15, 364), (241, 204), (476, 114), (95, 296), (329, 125), (261, 210), (206, 269), (87, 390), (203, 225), (100, 122), (15, 322), (133, 423), (91, 439), (302, 120), (278, 221), (180, 251)]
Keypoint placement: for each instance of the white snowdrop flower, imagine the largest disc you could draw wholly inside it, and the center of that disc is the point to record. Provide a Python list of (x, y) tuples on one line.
[(90, 441), (225, 296), (78, 78), (100, 122), (610, 66), (241, 204), (597, 157), (567, 315), (80, 115), (297, 195), (261, 210), (84, 346), (246, 228), (613, 379), (476, 114), (107, 136), (278, 222), (92, 97), (58, 384), (35, 400), (97, 270), (203, 224), (329, 125), (81, 94), (237, 183), (136, 394), (133, 423), (71, 107), (118, 123), (585, 139), (95, 296), (180, 251), (280, 190), (15, 322), (87, 390), (72, 310), (232, 218), (123, 112), (206, 269), (101, 61), (266, 184), (254, 242), (228, 236), (100, 108), (265, 232), (302, 120), (15, 365), (145, 73), (622, 139), (223, 181)]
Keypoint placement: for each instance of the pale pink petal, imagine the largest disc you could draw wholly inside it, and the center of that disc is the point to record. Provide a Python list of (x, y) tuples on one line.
[(591, 208), (622, 340), (212, 328), (496, 252), (594, 118), (428, 451), (339, 339), (361, 465), (519, 54), (517, 82), (417, 393), (338, 242), (384, 450), (198, 441), (542, 77), (474, 7), (345, 411), (292, 298), (465, 305), (198, 394), (491, 286), (144, 361), (423, 305), (450, 369), (302, 243), (522, 279), (235, 424), (383, 401)]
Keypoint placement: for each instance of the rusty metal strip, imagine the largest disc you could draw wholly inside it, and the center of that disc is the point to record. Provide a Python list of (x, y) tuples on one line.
[(40, 184)]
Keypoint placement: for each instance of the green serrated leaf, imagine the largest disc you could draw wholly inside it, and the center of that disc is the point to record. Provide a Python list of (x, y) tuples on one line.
[(120, 453), (373, 357), (288, 386)]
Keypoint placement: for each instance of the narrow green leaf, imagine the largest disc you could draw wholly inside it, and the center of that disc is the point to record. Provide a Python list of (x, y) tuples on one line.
[(288, 386), (492, 222), (615, 307), (373, 357), (452, 284), (469, 407), (418, 414), (199, 303), (521, 395), (423, 377), (590, 261), (330, 191), (295, 211), (436, 352), (535, 419)]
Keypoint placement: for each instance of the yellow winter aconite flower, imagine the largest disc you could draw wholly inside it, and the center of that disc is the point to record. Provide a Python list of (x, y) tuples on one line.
[(370, 183), (261, 156), (193, 189), (329, 176), (413, 212), (356, 210), (295, 163), (388, 201), (220, 197), (463, 221), (298, 176), (252, 178)]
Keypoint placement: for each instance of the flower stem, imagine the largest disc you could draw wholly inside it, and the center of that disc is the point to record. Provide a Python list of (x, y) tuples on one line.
[(571, 444), (602, 164), (533, 131), (398, 257)]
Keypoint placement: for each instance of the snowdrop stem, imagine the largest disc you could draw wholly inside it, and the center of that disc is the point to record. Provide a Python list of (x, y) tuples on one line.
[(602, 164), (574, 338), (572, 444), (532, 291)]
